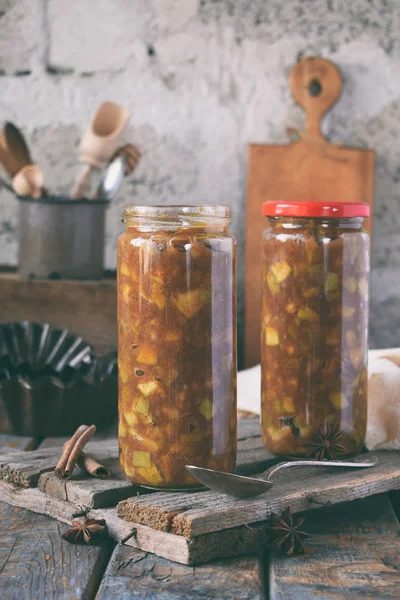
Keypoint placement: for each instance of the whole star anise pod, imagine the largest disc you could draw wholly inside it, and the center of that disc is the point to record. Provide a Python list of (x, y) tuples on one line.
[(84, 531), (284, 529), (325, 443)]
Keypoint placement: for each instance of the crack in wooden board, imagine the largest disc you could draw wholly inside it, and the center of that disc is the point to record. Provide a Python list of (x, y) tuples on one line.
[(203, 512)]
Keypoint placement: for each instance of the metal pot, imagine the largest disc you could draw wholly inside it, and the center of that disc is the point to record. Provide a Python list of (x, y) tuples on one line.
[(61, 238)]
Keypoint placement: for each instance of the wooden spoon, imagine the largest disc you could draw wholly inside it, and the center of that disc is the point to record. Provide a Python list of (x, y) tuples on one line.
[(100, 142), (8, 162), (29, 181), (14, 142)]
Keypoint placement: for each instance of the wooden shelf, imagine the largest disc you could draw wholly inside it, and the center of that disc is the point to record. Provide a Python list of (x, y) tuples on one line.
[(86, 308)]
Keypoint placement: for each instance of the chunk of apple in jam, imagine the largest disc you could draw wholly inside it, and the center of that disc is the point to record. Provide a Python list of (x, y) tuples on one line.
[(271, 336), (151, 389), (339, 400), (128, 470), (125, 271), (331, 281), (350, 284), (151, 475), (141, 459), (147, 354), (126, 292), (158, 294), (348, 311), (281, 270), (173, 335), (306, 314), (363, 287), (206, 408), (191, 302), (272, 283), (142, 405), (131, 418)]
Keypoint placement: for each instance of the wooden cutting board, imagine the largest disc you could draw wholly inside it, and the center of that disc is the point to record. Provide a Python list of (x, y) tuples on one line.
[(310, 169)]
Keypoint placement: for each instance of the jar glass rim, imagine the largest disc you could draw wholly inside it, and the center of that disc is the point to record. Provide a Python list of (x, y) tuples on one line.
[(175, 211)]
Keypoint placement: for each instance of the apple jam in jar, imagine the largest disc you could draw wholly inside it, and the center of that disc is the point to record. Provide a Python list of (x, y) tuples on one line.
[(176, 343), (314, 338)]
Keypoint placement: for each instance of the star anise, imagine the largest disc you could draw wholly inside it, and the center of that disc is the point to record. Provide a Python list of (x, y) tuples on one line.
[(84, 531), (284, 529), (325, 443)]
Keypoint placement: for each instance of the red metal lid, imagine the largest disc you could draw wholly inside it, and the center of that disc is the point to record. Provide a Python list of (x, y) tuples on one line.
[(316, 209)]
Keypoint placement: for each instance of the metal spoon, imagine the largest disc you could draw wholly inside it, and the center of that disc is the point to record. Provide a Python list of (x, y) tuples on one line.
[(111, 180), (246, 487)]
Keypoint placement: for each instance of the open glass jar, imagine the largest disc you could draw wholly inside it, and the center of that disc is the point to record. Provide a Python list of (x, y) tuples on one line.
[(315, 282), (176, 343)]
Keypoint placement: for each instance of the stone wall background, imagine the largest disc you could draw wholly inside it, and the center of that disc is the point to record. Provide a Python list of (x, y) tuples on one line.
[(203, 78)]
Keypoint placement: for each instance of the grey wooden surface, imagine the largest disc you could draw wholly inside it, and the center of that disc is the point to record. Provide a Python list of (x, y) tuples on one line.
[(353, 552)]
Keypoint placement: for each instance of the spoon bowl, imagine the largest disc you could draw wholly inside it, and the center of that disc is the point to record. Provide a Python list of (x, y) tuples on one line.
[(111, 179), (29, 181), (240, 486), (14, 142)]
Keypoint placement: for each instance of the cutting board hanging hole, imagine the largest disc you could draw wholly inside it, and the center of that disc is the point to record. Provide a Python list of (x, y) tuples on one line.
[(316, 85)]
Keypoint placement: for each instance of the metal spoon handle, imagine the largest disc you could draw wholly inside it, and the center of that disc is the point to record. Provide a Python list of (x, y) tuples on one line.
[(370, 462)]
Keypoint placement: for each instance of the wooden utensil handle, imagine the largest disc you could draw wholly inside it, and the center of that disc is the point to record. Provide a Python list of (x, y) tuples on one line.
[(316, 85)]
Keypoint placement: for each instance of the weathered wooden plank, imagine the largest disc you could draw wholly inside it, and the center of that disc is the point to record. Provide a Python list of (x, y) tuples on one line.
[(36, 563), (16, 442), (231, 542), (353, 552), (136, 574), (195, 514), (25, 468)]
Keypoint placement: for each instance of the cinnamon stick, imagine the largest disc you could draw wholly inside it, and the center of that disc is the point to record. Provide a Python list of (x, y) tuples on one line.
[(77, 449), (91, 466), (59, 471)]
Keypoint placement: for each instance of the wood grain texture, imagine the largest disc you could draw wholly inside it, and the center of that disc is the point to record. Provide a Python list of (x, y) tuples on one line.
[(309, 169), (24, 468), (86, 308), (230, 542), (353, 552), (36, 563), (136, 574), (16, 442), (198, 513)]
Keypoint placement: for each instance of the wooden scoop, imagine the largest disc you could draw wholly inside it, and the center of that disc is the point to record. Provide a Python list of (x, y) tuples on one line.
[(100, 142), (29, 182), (14, 142), (311, 168)]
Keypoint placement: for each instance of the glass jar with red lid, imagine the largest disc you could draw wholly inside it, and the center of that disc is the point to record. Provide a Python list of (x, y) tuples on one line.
[(314, 344)]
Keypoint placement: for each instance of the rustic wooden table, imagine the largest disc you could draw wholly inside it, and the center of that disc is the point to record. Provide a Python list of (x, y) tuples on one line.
[(353, 552)]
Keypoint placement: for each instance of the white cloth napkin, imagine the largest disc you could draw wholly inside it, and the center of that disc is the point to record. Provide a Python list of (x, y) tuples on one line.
[(383, 429)]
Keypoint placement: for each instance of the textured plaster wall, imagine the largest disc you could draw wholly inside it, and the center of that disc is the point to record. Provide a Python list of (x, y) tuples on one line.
[(203, 78)]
